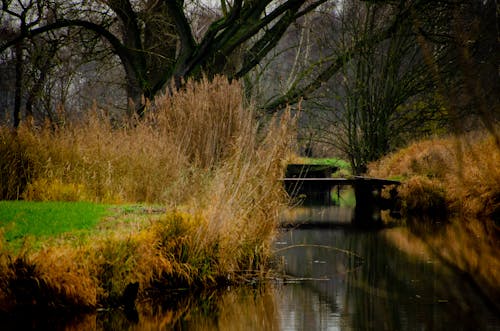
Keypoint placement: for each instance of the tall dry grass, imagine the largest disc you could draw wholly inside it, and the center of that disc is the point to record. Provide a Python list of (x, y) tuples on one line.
[(459, 174), (93, 161), (200, 152), (156, 159)]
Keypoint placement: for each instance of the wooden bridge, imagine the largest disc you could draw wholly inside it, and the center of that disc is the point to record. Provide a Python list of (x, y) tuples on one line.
[(367, 190)]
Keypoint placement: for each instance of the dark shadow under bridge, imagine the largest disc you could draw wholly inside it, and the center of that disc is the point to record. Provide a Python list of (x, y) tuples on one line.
[(321, 188)]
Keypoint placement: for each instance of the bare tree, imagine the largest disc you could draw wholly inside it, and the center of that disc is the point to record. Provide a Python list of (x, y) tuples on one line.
[(155, 41), (47, 68), (394, 70), (377, 95), (26, 15), (467, 78)]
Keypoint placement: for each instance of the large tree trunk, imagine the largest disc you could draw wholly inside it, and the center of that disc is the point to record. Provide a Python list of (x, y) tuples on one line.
[(135, 97)]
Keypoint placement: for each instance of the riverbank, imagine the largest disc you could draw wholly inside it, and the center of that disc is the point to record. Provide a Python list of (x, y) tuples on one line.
[(199, 154), (452, 187), (97, 265)]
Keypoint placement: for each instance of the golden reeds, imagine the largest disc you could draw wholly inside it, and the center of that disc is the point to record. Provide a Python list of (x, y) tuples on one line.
[(199, 152), (458, 174)]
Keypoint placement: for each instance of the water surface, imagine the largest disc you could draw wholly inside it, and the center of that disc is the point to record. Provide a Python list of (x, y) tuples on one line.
[(328, 276)]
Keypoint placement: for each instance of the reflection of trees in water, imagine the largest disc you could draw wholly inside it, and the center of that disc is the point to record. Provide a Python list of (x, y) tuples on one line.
[(469, 248), (396, 291), (306, 306), (391, 290), (242, 308), (316, 262), (317, 215), (381, 294)]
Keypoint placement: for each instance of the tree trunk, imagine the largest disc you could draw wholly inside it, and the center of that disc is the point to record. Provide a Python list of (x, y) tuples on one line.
[(135, 98), (18, 84), (135, 93)]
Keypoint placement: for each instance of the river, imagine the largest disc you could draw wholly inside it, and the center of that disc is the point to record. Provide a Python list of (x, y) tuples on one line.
[(329, 276)]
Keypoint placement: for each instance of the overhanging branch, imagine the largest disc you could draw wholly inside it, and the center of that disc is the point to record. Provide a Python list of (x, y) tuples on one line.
[(118, 47), (296, 93)]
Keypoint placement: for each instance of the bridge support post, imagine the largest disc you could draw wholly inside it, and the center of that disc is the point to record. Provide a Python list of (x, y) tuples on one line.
[(367, 211)]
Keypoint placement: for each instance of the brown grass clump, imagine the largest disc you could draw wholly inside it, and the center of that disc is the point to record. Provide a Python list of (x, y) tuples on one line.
[(476, 187), (17, 168), (424, 195), (429, 158), (459, 174), (251, 201), (199, 152), (93, 161), (205, 120)]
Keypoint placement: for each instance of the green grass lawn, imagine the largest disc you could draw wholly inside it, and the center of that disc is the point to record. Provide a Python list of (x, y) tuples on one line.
[(344, 166), (41, 221), (19, 219), (326, 161)]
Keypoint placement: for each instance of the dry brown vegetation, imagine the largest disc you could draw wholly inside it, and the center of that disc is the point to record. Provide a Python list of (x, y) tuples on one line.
[(199, 152), (459, 176), (160, 158)]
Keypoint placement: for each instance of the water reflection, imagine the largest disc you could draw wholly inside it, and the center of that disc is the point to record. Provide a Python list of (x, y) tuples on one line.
[(317, 216), (389, 291), (304, 308), (327, 278)]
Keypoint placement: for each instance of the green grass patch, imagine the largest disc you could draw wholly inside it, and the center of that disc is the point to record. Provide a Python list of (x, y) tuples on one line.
[(344, 166), (41, 220), (326, 161)]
